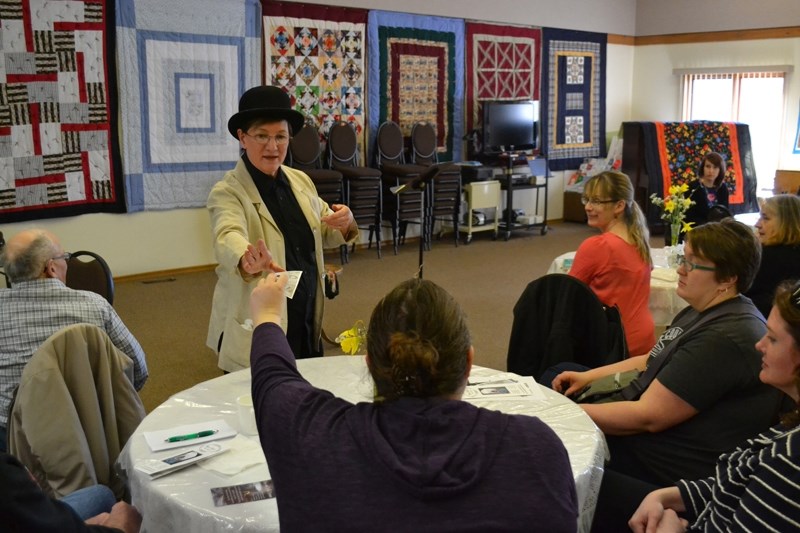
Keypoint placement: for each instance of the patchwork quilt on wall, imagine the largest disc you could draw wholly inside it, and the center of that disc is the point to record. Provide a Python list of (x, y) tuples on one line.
[(502, 64), (58, 145), (573, 96), (177, 92), (673, 151), (416, 74), (316, 54)]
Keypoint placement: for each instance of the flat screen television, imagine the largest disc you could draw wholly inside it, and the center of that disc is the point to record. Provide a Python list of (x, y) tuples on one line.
[(510, 126)]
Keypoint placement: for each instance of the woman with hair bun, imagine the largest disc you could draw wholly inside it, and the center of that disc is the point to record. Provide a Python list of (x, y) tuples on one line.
[(418, 458)]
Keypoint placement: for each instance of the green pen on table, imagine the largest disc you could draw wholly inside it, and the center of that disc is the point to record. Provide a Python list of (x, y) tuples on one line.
[(190, 436)]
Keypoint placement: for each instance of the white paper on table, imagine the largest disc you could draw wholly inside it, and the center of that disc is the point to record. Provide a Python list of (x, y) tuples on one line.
[(502, 385), (157, 440), (156, 468), (244, 454)]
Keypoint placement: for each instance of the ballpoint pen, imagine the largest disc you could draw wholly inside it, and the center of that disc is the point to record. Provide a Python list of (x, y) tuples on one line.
[(190, 436)]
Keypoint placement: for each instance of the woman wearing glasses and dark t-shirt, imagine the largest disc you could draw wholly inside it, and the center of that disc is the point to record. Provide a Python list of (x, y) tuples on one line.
[(268, 217), (703, 396), (756, 487), (616, 264)]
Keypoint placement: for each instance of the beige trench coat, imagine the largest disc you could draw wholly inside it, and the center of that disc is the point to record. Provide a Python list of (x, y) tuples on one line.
[(75, 410), (238, 218)]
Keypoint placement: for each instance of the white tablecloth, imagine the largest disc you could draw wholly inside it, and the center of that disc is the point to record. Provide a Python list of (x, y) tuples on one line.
[(664, 301), (182, 501)]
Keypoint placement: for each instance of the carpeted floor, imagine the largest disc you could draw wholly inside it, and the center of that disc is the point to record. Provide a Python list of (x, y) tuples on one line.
[(169, 316)]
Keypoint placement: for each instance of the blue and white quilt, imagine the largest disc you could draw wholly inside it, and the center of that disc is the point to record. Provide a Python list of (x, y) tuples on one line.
[(178, 90)]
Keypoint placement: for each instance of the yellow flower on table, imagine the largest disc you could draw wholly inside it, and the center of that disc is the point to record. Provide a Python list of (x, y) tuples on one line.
[(673, 209), (353, 339)]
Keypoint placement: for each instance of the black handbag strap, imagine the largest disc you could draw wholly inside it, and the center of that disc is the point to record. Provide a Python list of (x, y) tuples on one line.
[(640, 384)]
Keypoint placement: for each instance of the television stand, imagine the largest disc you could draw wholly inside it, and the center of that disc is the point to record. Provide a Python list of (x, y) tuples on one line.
[(508, 224)]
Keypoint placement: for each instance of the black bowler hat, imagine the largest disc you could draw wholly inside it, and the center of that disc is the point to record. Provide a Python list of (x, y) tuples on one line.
[(267, 102)]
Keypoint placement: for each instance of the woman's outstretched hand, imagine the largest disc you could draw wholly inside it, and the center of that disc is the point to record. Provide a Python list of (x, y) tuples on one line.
[(267, 299), (257, 259)]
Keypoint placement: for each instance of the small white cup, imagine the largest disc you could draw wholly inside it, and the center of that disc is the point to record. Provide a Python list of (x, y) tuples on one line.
[(247, 415)]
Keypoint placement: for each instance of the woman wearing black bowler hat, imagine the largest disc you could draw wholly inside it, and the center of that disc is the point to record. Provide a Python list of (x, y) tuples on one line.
[(268, 217)]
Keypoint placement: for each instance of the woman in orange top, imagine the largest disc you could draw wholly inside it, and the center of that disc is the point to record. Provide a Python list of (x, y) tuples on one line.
[(616, 264)]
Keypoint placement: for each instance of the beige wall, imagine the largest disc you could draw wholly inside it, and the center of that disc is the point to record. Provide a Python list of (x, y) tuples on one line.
[(134, 243), (661, 17)]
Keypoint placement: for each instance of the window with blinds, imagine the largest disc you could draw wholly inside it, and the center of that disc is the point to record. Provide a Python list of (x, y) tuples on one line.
[(753, 98)]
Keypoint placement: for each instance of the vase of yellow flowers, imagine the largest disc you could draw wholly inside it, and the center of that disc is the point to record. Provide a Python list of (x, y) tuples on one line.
[(673, 210), (354, 340)]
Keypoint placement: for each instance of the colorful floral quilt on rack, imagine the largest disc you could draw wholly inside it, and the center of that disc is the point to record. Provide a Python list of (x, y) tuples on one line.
[(573, 96), (58, 141), (502, 64), (316, 53), (177, 91), (416, 74), (673, 151)]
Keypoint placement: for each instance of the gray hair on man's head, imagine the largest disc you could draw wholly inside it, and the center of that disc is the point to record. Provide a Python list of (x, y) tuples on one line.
[(26, 263)]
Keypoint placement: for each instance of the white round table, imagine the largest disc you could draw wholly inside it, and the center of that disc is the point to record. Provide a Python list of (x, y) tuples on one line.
[(182, 501)]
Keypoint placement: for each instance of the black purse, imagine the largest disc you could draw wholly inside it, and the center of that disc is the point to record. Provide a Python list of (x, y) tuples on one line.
[(608, 388)]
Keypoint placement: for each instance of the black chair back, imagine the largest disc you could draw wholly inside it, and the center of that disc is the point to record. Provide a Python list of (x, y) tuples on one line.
[(305, 149), (390, 144), (558, 319), (342, 145), (363, 192), (92, 274), (423, 144)]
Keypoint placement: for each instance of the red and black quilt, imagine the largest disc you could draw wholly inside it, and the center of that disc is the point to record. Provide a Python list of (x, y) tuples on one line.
[(59, 151)]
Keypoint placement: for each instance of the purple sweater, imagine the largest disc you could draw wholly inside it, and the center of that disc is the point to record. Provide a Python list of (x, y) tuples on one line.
[(408, 465)]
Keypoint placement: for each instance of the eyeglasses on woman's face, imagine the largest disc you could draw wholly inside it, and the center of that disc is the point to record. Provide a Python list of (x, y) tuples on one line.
[(280, 139), (585, 200), (681, 261)]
